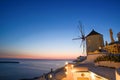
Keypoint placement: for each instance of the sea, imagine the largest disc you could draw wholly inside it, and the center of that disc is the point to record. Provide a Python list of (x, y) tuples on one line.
[(28, 68)]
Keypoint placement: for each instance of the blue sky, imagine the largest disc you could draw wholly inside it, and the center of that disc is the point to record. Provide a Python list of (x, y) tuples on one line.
[(46, 27)]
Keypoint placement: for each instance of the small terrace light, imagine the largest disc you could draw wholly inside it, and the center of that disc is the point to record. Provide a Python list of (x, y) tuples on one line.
[(66, 72), (50, 75), (66, 63), (72, 65)]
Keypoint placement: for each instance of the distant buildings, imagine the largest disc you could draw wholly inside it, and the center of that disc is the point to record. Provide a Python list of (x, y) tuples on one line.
[(113, 46)]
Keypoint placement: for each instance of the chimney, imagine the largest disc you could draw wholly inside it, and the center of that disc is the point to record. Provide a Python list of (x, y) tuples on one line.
[(111, 35)]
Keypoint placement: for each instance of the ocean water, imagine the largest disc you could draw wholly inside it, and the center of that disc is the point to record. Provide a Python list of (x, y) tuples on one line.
[(28, 68)]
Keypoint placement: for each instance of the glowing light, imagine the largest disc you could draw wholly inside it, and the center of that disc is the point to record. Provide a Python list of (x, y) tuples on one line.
[(66, 67), (72, 66), (66, 72), (50, 76), (66, 63), (92, 76)]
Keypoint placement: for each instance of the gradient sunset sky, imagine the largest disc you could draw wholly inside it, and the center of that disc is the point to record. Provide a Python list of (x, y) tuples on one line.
[(45, 28)]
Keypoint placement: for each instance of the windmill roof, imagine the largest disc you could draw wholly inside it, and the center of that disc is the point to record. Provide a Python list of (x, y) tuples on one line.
[(93, 32)]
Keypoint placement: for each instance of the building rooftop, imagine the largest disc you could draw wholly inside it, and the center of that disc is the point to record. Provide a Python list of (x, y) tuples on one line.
[(106, 72), (116, 42), (93, 32)]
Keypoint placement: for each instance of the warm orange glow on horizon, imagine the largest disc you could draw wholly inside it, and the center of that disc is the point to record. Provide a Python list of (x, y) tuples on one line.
[(40, 56)]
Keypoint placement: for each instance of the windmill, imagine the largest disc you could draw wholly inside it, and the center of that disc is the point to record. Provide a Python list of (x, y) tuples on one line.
[(82, 37)]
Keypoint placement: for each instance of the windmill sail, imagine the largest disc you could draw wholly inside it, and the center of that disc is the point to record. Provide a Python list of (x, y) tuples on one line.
[(81, 37)]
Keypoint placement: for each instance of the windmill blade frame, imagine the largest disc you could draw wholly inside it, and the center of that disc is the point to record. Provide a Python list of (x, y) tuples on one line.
[(77, 38), (82, 37), (81, 43), (84, 46), (81, 28)]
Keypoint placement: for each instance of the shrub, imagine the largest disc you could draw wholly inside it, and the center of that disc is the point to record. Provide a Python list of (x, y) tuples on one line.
[(108, 57)]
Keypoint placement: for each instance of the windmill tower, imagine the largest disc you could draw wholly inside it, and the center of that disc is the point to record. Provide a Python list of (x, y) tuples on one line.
[(94, 41)]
